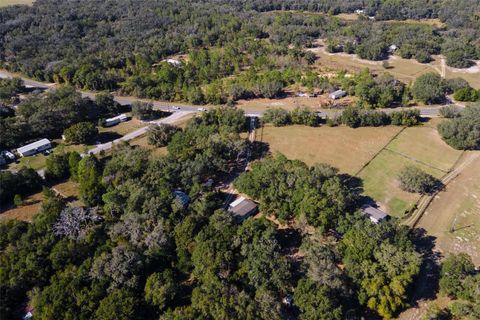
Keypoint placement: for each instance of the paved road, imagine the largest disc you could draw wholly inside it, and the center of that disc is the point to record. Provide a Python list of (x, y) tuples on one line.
[(171, 107), (134, 134)]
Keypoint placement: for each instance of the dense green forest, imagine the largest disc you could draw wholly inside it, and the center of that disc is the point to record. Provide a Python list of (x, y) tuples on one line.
[(122, 45), (135, 251)]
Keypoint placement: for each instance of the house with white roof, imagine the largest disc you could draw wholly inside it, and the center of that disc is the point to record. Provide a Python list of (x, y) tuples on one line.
[(34, 147)]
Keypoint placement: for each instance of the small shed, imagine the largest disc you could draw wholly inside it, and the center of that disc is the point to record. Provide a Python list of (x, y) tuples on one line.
[(337, 94), (374, 214), (35, 147), (115, 120), (242, 208)]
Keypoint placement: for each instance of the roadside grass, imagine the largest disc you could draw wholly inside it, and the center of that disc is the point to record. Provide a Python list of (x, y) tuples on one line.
[(4, 3), (143, 142), (458, 206), (342, 147)]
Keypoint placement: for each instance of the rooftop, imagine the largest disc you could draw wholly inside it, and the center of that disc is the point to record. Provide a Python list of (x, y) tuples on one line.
[(33, 145), (119, 117), (374, 213), (242, 208)]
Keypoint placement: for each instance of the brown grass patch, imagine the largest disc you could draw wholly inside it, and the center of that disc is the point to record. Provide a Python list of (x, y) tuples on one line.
[(458, 207), (27, 211)]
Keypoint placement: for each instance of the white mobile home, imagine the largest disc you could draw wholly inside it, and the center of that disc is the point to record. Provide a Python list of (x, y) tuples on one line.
[(115, 120), (35, 147)]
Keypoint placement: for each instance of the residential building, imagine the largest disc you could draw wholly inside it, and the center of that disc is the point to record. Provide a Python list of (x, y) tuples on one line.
[(115, 120), (374, 214), (242, 208), (35, 147)]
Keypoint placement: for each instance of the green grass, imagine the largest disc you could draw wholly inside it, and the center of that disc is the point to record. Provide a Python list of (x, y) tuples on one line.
[(423, 144), (380, 180)]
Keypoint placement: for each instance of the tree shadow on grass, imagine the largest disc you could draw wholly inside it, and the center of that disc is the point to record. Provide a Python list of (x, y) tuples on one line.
[(425, 287), (260, 150), (104, 137)]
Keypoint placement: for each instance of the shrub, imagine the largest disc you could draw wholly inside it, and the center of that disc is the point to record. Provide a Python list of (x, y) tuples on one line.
[(277, 116), (407, 118), (81, 133), (160, 134), (304, 116), (413, 179), (457, 83), (450, 111), (351, 117), (466, 94), (17, 200)]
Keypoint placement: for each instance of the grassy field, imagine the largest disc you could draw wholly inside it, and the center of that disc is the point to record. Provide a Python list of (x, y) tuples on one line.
[(424, 145), (381, 183), (377, 155), (419, 146), (458, 207), (27, 211), (342, 147), (4, 3)]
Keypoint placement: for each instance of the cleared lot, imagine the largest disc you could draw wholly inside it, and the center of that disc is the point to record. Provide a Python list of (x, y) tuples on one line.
[(457, 209), (406, 70), (342, 147)]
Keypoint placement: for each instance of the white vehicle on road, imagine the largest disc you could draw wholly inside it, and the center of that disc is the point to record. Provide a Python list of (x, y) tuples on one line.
[(202, 109), (175, 108)]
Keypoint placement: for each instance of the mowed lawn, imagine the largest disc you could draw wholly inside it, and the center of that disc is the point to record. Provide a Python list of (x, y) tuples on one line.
[(458, 207), (344, 148), (418, 146)]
